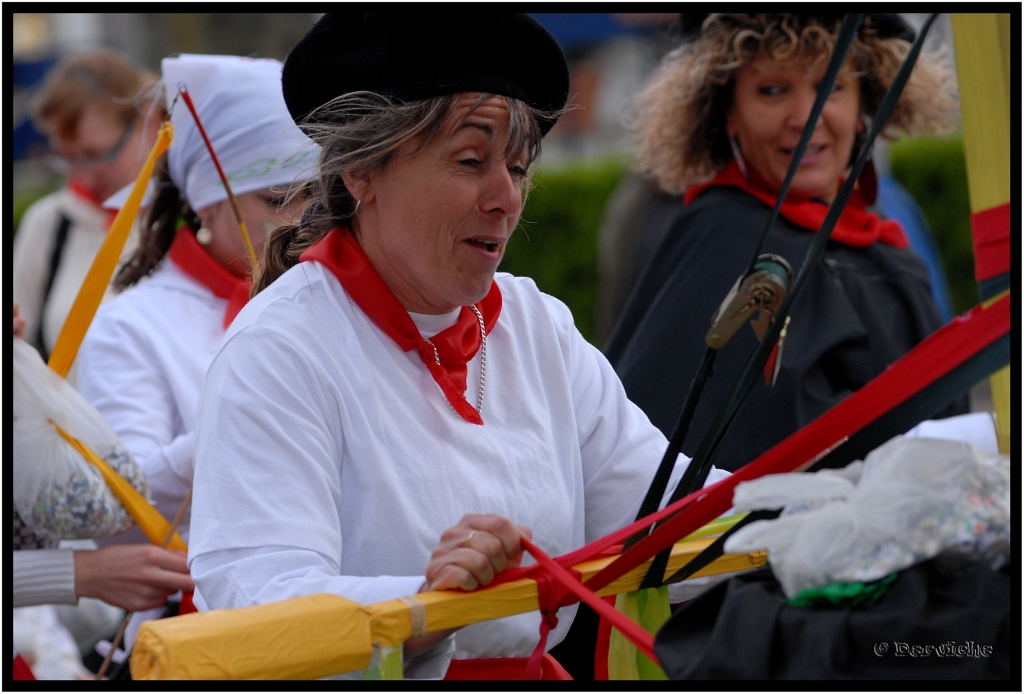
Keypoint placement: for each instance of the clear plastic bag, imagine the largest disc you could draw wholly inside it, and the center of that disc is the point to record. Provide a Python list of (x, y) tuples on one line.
[(58, 494), (910, 500)]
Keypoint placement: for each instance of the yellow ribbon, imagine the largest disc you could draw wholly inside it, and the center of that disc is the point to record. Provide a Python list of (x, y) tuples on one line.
[(154, 525), (96, 282), (148, 518)]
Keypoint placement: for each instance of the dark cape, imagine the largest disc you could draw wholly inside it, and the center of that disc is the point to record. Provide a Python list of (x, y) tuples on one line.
[(860, 310), (937, 621)]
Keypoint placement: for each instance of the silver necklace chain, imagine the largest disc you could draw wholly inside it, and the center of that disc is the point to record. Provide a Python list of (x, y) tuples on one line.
[(483, 360)]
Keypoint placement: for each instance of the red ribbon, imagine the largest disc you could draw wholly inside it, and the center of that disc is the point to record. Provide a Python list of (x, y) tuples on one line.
[(22, 670), (196, 262), (630, 629), (990, 230), (934, 357), (503, 669), (187, 606), (209, 145), (551, 595), (340, 253), (856, 225)]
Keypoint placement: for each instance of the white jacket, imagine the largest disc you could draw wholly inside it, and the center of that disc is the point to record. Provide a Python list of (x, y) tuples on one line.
[(142, 366)]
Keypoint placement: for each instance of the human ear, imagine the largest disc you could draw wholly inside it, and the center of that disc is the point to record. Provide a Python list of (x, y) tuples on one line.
[(359, 185), (205, 215), (730, 124)]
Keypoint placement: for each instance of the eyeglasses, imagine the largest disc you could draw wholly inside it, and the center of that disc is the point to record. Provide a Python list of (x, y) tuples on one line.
[(63, 163)]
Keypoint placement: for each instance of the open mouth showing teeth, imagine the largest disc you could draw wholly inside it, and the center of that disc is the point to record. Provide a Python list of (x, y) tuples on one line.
[(812, 149), (489, 246)]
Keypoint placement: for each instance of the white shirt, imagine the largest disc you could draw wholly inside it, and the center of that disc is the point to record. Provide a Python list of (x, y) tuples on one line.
[(33, 249), (142, 365), (328, 460)]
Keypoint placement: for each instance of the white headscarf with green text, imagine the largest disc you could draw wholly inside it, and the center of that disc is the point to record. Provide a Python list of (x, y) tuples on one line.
[(240, 104)]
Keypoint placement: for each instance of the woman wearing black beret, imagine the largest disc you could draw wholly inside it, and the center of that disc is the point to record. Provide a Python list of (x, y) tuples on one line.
[(387, 415)]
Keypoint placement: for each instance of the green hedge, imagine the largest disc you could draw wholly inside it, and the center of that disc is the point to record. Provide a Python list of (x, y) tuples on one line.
[(23, 199), (559, 246), (934, 172), (556, 243)]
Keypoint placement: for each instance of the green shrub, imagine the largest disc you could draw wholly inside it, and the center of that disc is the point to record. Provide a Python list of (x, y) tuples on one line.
[(24, 198), (934, 173), (556, 243)]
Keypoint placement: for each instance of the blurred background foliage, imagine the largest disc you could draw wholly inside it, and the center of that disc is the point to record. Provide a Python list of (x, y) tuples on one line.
[(23, 197), (610, 57), (556, 243), (934, 172)]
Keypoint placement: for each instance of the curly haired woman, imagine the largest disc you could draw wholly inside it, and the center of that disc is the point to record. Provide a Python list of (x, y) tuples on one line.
[(720, 121)]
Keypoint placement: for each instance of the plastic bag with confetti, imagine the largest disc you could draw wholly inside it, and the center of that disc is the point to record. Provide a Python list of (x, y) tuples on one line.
[(910, 500), (57, 493)]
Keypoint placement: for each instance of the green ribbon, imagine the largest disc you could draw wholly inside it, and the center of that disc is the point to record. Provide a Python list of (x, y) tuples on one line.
[(852, 594)]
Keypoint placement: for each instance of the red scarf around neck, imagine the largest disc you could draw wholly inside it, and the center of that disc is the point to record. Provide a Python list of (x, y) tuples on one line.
[(89, 195), (197, 263), (340, 253), (856, 225)]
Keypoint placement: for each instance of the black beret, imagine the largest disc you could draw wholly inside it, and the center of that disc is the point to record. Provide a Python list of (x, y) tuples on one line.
[(410, 55), (889, 25)]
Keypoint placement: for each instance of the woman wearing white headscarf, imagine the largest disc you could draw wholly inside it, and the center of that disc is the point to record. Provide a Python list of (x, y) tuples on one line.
[(144, 359)]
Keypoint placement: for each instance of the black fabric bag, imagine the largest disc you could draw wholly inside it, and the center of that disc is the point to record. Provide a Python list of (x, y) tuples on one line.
[(934, 622)]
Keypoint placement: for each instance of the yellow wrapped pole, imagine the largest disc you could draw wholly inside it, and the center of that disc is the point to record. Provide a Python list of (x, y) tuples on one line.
[(320, 635), (982, 43), (96, 281), (303, 638)]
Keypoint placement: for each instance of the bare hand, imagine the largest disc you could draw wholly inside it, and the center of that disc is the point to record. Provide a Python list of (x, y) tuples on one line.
[(472, 551), (132, 577), (19, 323), (469, 555)]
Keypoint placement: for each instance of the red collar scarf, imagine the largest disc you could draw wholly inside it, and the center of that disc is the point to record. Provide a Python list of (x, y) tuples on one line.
[(197, 263), (89, 195), (856, 225), (340, 253)]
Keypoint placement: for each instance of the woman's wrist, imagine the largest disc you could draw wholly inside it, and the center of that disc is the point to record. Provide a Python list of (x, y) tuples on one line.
[(84, 573)]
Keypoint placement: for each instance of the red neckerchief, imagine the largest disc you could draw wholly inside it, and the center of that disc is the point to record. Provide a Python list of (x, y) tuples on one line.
[(340, 253), (89, 195), (197, 263), (856, 225)]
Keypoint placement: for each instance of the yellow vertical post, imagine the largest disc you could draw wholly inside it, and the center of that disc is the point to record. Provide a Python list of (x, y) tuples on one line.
[(982, 43), (90, 294)]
